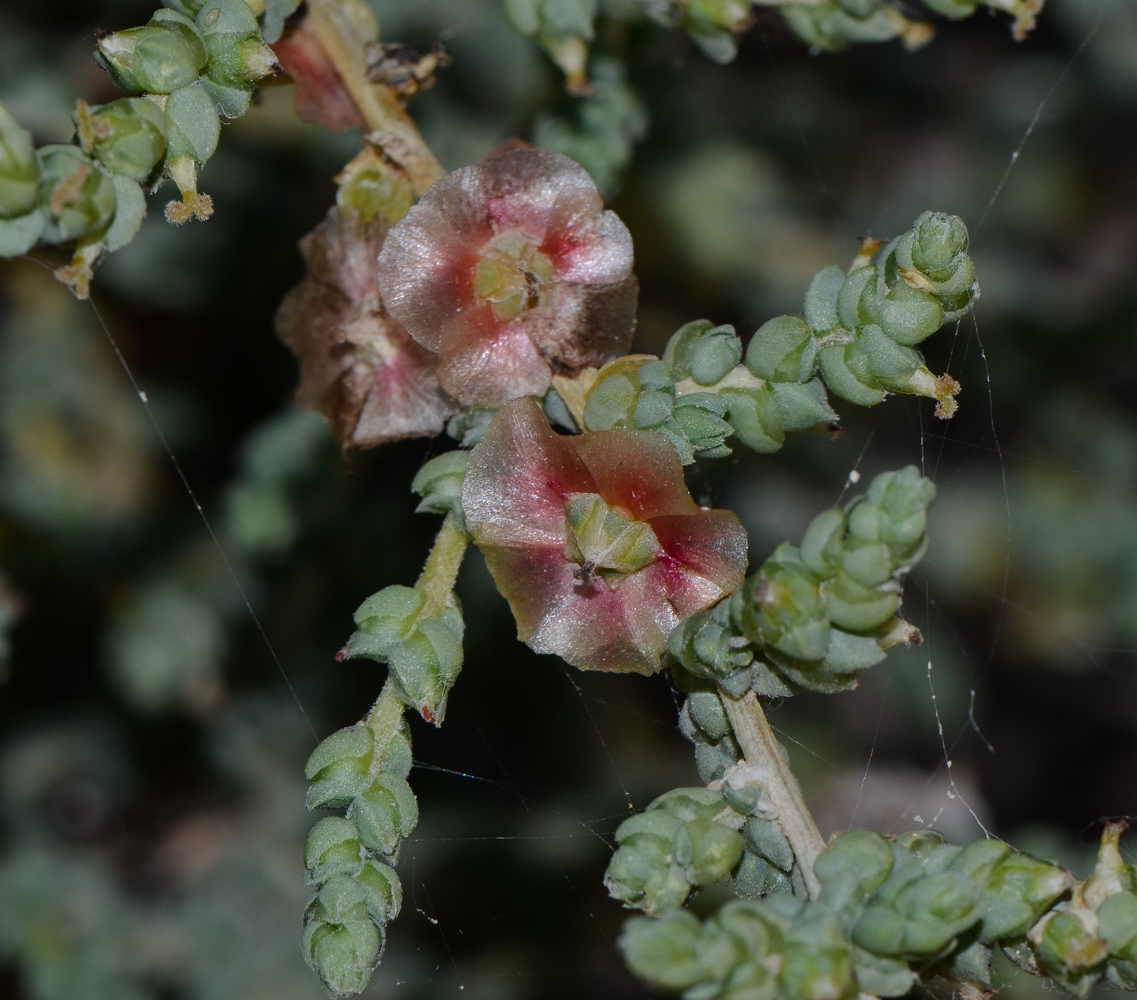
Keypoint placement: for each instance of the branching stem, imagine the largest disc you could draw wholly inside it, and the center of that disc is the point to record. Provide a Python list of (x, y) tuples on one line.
[(760, 747), (342, 27)]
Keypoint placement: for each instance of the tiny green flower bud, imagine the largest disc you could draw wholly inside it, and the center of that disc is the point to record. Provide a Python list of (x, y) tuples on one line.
[(339, 768), (891, 366), (708, 714), (699, 419), (613, 399), (821, 300), (154, 59), (802, 406), (755, 877), (857, 608), (384, 620), (340, 940), (127, 136), (238, 55), (756, 419), (765, 837), (653, 409), (439, 482), (79, 198), (864, 855), (850, 654), (333, 849), (706, 850), (382, 892), (192, 125), (782, 606), (856, 300), (846, 372), (782, 350), (384, 814), (664, 952), (702, 352), (822, 544), (19, 170), (909, 315), (818, 974), (940, 239)]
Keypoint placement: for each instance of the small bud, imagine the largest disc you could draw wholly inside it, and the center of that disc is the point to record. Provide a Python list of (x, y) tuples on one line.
[(340, 940), (127, 136), (664, 952), (19, 170), (439, 483), (382, 892), (155, 59), (385, 619), (782, 606), (756, 419), (333, 849), (338, 768), (821, 300), (846, 372), (940, 240), (78, 197), (782, 350), (384, 814), (702, 352)]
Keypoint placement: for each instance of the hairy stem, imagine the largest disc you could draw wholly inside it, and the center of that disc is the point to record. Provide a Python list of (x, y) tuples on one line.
[(758, 744), (342, 27), (442, 565), (383, 721)]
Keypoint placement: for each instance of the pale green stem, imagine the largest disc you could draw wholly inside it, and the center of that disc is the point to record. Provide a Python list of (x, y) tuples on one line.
[(442, 565), (383, 721), (760, 747)]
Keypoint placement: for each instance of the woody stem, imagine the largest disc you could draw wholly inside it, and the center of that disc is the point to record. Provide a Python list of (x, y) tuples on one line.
[(759, 746), (341, 26)]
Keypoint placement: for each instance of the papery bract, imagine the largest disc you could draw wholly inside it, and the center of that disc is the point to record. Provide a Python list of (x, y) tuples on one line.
[(321, 96), (359, 368), (512, 271), (594, 539)]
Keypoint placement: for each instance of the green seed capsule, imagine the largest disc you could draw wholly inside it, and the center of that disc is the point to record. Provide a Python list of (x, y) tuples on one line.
[(79, 199)]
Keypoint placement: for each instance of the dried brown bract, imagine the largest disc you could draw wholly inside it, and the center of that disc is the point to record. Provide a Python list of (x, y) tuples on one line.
[(359, 367)]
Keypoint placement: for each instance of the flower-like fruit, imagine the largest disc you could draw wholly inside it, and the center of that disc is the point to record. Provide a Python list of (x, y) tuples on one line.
[(594, 539), (359, 368), (512, 271)]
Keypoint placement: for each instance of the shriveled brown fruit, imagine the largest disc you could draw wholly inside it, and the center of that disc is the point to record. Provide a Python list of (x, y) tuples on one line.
[(358, 367)]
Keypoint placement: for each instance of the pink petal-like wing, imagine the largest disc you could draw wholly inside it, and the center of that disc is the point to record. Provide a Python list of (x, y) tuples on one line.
[(518, 480), (591, 627), (584, 325), (427, 262), (704, 560), (489, 362), (638, 471)]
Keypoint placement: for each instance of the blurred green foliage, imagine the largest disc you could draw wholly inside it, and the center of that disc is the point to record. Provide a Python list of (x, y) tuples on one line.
[(152, 832)]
